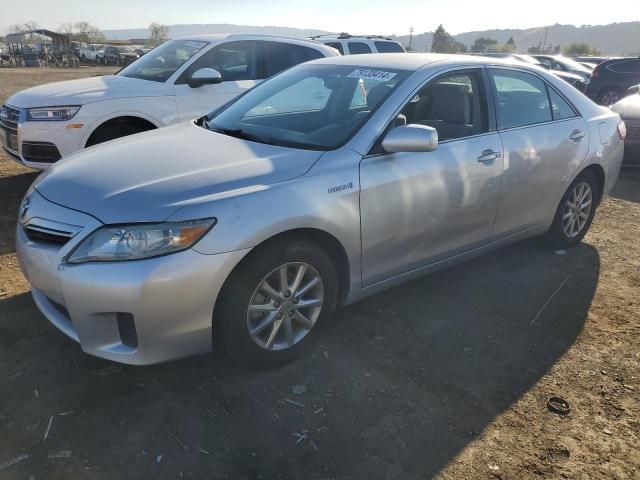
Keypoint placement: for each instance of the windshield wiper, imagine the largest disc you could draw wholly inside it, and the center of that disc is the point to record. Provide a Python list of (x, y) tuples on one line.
[(242, 134)]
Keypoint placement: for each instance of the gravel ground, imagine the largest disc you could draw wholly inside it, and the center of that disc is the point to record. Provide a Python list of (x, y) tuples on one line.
[(444, 377)]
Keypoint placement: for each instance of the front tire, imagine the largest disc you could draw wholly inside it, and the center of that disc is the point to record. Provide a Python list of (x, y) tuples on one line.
[(275, 302), (575, 213)]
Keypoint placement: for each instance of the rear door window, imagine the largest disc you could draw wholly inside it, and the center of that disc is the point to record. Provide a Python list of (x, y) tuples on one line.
[(281, 56), (521, 99), (357, 48), (627, 66)]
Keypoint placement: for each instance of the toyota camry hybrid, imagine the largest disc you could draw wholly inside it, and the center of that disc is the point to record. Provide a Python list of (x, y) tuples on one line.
[(329, 182)]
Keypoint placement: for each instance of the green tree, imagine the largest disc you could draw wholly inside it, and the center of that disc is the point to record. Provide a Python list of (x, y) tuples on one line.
[(482, 44), (158, 33), (577, 49), (443, 42), (510, 46)]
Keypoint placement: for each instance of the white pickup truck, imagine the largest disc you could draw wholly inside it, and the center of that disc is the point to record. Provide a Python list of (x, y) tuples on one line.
[(89, 54)]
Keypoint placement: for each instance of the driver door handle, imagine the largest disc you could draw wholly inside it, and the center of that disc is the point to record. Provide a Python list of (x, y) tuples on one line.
[(488, 156), (576, 135)]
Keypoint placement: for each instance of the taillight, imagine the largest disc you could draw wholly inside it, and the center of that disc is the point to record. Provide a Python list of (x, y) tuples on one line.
[(622, 130), (596, 72)]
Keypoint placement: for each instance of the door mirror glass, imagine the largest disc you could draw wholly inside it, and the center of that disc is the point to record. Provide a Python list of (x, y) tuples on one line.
[(411, 138), (205, 76)]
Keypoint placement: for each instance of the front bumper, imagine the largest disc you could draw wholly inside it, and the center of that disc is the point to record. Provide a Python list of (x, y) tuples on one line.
[(39, 144), (168, 300)]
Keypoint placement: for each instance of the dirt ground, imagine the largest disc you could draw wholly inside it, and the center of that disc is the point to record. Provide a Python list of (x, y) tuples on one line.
[(445, 377)]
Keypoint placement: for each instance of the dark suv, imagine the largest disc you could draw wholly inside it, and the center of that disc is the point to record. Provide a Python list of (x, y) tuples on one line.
[(610, 81)]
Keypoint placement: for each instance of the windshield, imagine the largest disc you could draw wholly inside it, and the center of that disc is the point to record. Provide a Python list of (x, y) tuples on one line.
[(162, 62), (573, 65), (315, 107)]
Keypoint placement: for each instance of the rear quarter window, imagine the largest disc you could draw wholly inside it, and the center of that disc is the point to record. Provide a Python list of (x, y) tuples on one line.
[(388, 47)]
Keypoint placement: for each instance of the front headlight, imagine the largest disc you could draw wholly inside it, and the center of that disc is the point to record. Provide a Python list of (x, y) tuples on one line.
[(52, 113), (134, 242)]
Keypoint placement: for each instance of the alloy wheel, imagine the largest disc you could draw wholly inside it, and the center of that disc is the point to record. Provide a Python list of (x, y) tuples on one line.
[(285, 306), (577, 210)]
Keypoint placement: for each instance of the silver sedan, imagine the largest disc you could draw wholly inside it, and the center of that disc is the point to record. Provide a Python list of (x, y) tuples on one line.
[(329, 182)]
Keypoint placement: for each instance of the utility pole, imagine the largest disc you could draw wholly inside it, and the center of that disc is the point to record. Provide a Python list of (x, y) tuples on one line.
[(544, 44), (410, 38)]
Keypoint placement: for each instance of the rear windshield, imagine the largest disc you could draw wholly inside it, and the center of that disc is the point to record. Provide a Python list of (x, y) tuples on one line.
[(388, 47)]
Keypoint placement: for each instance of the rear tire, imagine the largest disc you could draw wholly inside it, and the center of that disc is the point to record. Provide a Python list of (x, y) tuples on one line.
[(609, 96), (575, 213), (262, 329)]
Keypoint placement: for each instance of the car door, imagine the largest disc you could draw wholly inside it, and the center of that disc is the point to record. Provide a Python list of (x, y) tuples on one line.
[(544, 139), (423, 207), (238, 64)]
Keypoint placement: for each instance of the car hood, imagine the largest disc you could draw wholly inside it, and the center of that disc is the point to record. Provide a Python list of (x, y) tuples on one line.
[(87, 90), (149, 176), (628, 107)]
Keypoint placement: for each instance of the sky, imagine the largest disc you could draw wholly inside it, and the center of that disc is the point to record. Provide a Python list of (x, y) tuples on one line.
[(355, 16)]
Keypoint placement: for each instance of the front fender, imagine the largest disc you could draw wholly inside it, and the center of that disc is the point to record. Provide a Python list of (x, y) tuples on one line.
[(326, 199), (160, 111)]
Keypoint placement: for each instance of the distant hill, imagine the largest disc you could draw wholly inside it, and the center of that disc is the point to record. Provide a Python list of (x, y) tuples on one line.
[(185, 30), (612, 39)]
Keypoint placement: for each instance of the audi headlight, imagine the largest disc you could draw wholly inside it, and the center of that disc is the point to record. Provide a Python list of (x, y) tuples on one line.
[(134, 242), (48, 114)]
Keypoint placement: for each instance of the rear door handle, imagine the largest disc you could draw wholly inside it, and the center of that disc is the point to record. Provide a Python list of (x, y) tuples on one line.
[(488, 156), (576, 135)]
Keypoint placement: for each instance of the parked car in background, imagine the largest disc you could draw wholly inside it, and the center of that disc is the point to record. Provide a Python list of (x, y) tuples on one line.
[(77, 47), (140, 51), (564, 64), (247, 227), (89, 53), (355, 44), (120, 55), (590, 59), (177, 81), (571, 78), (612, 79), (629, 109), (589, 66)]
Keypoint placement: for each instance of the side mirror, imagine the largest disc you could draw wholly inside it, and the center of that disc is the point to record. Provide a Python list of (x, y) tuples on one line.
[(205, 76), (634, 90), (411, 138)]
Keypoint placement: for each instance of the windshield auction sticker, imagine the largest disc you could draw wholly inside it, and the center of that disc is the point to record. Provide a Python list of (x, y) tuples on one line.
[(372, 75)]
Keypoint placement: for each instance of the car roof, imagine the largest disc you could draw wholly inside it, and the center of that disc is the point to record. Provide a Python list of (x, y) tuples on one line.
[(217, 37), (412, 61)]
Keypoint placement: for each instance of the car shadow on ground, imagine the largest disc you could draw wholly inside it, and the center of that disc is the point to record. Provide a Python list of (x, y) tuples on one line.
[(628, 185), (12, 189), (396, 387)]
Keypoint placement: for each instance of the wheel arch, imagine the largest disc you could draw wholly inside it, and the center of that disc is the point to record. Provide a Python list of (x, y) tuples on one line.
[(324, 239), (598, 171), (104, 122)]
